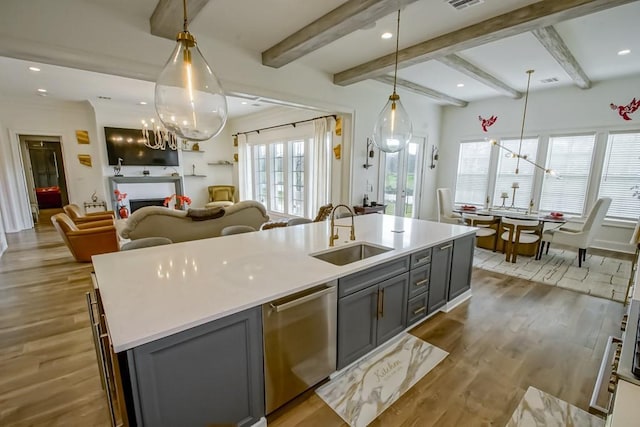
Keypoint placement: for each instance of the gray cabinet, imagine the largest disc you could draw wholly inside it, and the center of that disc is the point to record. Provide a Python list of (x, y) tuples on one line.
[(439, 277), (209, 374), (461, 266), (418, 293), (370, 316)]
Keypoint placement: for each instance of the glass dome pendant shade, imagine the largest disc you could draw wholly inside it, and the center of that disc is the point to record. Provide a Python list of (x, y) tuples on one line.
[(393, 129), (189, 98)]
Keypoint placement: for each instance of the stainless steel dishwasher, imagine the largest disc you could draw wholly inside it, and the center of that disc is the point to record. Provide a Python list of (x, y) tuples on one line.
[(299, 342)]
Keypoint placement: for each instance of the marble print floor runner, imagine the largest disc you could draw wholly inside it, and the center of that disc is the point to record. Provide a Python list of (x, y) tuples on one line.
[(538, 408), (600, 276), (363, 391)]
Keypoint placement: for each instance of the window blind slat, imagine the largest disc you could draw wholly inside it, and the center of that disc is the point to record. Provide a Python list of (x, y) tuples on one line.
[(473, 173), (506, 175), (621, 172)]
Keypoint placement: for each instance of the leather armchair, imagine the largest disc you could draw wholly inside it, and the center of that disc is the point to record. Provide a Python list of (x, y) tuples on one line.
[(221, 195), (76, 215), (85, 240)]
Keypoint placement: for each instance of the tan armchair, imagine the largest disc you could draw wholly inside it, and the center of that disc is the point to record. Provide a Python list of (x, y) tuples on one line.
[(76, 215), (85, 240), (323, 213), (221, 195)]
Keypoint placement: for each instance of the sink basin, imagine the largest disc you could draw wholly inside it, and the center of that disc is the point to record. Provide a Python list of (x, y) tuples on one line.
[(348, 254)]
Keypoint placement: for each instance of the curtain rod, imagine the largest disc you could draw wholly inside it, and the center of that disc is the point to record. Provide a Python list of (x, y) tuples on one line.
[(335, 117)]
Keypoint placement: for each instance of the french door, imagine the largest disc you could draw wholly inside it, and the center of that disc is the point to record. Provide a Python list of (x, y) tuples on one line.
[(402, 178)]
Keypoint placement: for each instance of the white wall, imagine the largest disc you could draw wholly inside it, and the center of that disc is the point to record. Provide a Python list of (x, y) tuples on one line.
[(550, 112), (45, 117)]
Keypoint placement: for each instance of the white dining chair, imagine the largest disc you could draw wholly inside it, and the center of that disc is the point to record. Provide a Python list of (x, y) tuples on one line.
[(519, 231), (445, 207), (487, 226)]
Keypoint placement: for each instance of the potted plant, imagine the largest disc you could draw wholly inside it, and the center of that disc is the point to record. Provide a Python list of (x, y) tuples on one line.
[(180, 201)]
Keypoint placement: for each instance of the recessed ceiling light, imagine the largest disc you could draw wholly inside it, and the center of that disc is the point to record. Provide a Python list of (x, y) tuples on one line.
[(34, 68), (386, 35), (142, 103), (42, 90), (624, 52), (244, 103), (460, 85), (42, 94)]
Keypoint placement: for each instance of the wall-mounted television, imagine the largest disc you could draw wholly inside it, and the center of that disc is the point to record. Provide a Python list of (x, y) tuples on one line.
[(128, 144)]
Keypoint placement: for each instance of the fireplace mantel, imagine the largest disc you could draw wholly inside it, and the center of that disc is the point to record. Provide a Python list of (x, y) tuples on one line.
[(115, 180)]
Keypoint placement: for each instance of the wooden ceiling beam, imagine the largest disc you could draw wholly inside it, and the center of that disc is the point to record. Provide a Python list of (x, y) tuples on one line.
[(551, 40), (421, 90), (467, 68), (540, 14), (343, 20), (167, 18)]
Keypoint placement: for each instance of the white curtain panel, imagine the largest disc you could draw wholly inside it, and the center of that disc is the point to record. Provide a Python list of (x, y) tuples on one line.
[(244, 168), (321, 164)]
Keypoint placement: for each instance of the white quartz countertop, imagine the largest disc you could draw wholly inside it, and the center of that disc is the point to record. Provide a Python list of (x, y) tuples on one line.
[(154, 292)]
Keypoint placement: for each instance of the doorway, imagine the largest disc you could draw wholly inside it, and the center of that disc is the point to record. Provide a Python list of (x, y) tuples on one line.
[(46, 180), (402, 178)]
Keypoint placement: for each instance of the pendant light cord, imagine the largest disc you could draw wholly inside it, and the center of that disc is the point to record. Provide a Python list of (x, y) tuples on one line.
[(184, 10), (395, 72), (524, 116)]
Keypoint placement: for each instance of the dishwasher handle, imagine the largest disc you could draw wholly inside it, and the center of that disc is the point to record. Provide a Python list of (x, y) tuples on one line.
[(296, 302)]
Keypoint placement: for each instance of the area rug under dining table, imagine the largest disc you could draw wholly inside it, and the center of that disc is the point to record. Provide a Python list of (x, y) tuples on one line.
[(599, 275)]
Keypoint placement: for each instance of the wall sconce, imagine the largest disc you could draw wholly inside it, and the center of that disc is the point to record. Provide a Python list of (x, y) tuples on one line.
[(434, 157), (370, 153)]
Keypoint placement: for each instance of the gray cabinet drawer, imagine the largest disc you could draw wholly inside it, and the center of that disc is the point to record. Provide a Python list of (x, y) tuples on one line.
[(421, 258), (419, 280), (417, 308), (372, 275)]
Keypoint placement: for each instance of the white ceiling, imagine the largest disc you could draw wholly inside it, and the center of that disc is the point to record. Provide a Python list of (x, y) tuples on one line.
[(255, 25)]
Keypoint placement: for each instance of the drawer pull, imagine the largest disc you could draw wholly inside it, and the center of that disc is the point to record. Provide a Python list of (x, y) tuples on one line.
[(423, 259), (419, 310), (421, 283), (450, 245), (594, 408)]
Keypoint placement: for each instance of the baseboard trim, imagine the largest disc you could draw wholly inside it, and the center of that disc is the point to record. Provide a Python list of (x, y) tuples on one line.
[(610, 245), (457, 301)]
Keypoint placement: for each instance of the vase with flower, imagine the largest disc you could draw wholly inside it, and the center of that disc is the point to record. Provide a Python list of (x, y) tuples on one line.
[(123, 211), (180, 201)]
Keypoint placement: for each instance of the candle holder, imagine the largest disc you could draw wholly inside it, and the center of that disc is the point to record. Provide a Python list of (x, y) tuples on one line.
[(514, 186), (504, 196)]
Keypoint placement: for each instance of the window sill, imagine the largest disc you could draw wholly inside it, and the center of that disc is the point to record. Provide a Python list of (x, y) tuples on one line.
[(619, 223)]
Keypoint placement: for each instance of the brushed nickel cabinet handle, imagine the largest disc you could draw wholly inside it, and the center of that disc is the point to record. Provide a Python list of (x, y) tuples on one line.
[(423, 259), (419, 310), (450, 245), (381, 303), (421, 283)]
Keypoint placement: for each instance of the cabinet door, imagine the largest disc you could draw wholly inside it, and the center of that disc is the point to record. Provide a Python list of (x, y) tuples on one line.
[(392, 307), (356, 325), (440, 273), (210, 374), (461, 263)]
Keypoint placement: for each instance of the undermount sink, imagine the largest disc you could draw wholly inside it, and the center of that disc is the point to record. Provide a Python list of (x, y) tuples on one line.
[(348, 254)]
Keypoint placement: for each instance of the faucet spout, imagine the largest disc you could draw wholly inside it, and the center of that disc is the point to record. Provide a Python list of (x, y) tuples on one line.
[(333, 236)]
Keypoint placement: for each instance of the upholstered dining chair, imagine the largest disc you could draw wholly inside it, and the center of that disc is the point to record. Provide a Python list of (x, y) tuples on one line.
[(445, 207), (578, 235), (85, 240), (74, 212), (488, 226), (221, 195), (519, 231)]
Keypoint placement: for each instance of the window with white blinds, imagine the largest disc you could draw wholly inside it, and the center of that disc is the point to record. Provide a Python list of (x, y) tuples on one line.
[(506, 173), (473, 172), (570, 157), (621, 172)]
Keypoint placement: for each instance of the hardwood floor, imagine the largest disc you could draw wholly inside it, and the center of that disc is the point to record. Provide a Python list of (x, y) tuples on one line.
[(511, 334)]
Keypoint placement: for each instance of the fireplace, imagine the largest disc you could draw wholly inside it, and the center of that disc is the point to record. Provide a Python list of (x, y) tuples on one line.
[(136, 204)]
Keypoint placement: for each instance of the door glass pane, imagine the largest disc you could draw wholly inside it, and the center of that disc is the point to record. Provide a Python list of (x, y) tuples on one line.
[(391, 182), (277, 177), (296, 179), (411, 153), (260, 173), (473, 173), (506, 175)]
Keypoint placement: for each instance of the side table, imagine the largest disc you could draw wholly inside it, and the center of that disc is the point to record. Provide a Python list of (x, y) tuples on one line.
[(364, 210)]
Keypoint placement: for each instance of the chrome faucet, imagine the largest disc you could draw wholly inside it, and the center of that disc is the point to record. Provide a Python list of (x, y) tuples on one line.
[(334, 236)]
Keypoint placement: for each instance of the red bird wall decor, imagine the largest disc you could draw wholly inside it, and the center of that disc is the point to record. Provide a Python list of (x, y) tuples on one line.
[(487, 123), (625, 110)]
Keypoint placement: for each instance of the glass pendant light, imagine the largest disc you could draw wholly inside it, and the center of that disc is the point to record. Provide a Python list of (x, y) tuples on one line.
[(393, 129), (189, 98)]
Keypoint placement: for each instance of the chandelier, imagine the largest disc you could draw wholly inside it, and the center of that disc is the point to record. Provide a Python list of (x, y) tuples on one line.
[(518, 155), (158, 137)]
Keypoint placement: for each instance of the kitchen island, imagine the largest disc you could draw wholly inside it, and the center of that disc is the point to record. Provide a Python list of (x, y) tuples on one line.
[(157, 299)]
